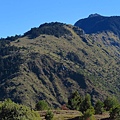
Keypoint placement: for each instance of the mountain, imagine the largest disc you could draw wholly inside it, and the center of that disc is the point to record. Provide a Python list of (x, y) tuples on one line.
[(96, 23), (106, 29), (54, 60)]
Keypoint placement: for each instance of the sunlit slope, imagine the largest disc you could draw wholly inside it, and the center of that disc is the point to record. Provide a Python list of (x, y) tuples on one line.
[(53, 64)]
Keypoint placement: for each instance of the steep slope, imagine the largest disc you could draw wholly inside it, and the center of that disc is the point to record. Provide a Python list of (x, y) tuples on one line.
[(47, 63), (103, 29)]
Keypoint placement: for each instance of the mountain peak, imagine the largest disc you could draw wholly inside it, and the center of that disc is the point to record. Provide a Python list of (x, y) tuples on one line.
[(94, 15), (97, 23)]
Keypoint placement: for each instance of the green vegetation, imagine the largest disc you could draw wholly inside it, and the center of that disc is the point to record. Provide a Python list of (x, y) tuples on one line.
[(58, 60), (110, 103), (74, 101), (85, 106), (99, 107), (12, 111), (49, 115), (82, 104), (11, 38), (10, 59), (115, 113), (56, 29), (41, 105), (87, 115)]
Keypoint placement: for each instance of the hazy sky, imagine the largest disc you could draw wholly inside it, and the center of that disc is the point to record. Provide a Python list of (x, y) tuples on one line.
[(18, 16)]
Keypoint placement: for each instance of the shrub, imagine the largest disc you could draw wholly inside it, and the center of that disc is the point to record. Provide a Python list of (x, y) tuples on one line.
[(115, 113), (99, 107), (12, 111), (49, 115), (42, 105), (88, 115), (110, 103)]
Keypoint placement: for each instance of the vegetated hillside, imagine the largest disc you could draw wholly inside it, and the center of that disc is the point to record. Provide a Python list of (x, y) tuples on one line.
[(54, 60), (103, 29)]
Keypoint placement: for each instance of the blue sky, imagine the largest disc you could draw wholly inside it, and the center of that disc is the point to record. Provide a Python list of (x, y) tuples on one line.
[(18, 16)]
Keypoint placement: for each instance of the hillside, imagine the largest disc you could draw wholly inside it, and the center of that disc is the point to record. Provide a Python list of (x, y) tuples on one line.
[(54, 60)]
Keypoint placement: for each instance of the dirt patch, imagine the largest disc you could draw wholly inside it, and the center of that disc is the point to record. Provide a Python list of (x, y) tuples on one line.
[(62, 114), (104, 116)]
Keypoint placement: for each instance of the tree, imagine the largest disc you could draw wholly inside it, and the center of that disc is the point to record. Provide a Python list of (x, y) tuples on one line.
[(99, 107), (110, 103), (42, 105), (12, 111), (88, 113), (74, 101), (86, 104), (115, 113)]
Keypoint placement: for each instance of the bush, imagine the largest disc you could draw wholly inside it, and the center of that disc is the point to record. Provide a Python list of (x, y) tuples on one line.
[(42, 105), (99, 107), (88, 114), (115, 113), (110, 103), (12, 111), (49, 115)]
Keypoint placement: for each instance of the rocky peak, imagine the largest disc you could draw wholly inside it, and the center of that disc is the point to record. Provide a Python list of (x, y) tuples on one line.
[(94, 15)]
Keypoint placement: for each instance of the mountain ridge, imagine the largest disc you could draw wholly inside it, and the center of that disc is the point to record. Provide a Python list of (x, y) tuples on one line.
[(99, 23), (51, 65)]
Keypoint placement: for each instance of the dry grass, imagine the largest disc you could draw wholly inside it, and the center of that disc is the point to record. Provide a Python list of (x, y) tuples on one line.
[(70, 114), (62, 114), (103, 116)]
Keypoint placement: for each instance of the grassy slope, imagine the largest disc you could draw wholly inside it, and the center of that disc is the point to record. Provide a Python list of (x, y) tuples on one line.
[(54, 67)]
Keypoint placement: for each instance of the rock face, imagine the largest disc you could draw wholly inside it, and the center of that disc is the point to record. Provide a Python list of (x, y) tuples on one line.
[(54, 60)]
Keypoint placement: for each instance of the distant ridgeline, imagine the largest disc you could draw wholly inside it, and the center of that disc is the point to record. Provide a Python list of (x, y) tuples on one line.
[(98, 23)]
